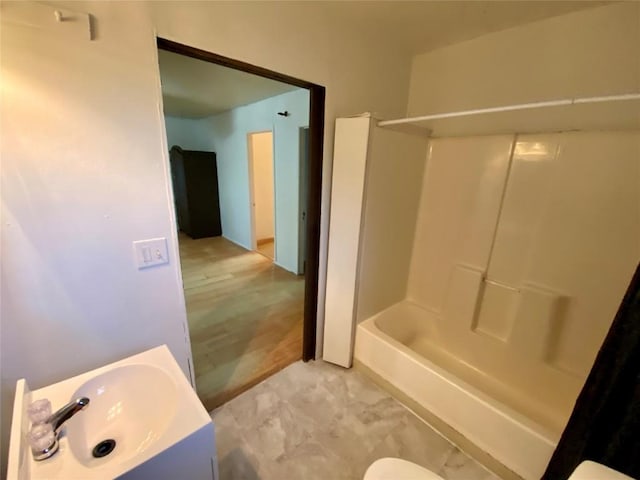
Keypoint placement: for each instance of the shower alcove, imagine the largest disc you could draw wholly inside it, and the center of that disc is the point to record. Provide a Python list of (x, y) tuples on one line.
[(478, 264)]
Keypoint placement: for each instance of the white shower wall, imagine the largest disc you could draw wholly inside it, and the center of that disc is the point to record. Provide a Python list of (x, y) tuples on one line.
[(571, 221), (461, 197), (524, 261), (523, 245)]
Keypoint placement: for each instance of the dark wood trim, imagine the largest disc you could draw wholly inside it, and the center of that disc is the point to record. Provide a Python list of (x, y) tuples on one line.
[(193, 52), (314, 189), (314, 199)]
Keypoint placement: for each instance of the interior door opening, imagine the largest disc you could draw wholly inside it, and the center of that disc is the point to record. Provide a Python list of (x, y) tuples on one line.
[(251, 288), (263, 237)]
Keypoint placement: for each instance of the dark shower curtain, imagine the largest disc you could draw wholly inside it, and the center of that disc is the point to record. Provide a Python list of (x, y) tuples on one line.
[(605, 423)]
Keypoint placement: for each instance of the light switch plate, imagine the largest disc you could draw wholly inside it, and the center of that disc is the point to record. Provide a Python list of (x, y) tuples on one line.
[(151, 252)]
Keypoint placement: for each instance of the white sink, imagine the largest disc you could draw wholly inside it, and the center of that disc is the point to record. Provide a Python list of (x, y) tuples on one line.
[(144, 403), (132, 405)]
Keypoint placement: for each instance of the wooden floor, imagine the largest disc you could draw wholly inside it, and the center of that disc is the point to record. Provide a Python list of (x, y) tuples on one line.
[(267, 249), (245, 316)]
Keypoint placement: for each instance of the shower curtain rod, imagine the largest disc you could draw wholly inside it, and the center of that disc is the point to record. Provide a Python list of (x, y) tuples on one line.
[(508, 108)]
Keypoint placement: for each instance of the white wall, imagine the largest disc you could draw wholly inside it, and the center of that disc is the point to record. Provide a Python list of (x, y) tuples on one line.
[(262, 176), (395, 168), (187, 133), (84, 174), (590, 52), (85, 166)]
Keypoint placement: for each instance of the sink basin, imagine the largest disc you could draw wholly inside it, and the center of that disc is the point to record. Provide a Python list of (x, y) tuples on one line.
[(134, 403)]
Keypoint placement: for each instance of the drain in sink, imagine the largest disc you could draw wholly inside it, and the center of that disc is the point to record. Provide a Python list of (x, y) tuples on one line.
[(104, 448)]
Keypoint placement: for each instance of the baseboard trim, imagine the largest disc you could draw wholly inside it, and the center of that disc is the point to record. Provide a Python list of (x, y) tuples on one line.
[(262, 241), (237, 243)]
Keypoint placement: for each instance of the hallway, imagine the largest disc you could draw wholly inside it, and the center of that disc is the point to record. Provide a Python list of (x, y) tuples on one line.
[(245, 316)]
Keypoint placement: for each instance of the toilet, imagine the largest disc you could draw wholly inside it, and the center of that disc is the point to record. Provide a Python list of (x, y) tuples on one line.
[(398, 469)]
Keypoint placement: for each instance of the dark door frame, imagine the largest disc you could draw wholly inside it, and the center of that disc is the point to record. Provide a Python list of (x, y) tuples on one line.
[(314, 188)]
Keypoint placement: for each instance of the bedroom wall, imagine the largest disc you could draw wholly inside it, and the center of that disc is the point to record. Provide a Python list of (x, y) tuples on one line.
[(187, 133), (228, 132)]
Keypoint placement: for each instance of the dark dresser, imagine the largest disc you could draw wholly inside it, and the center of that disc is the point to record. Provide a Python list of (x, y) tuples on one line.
[(195, 188)]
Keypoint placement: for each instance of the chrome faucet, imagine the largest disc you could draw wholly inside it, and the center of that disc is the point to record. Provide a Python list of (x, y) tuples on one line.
[(57, 421), (58, 418)]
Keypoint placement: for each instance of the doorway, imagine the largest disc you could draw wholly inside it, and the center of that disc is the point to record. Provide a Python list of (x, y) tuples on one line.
[(247, 301), (262, 184)]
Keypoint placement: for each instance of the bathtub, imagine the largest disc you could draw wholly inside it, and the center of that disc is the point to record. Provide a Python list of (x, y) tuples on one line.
[(400, 345)]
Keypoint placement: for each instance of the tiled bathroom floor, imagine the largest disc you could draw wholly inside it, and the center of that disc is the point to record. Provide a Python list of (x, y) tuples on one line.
[(317, 421)]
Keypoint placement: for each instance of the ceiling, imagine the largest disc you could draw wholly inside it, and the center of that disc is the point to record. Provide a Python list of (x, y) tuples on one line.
[(421, 26), (194, 89)]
